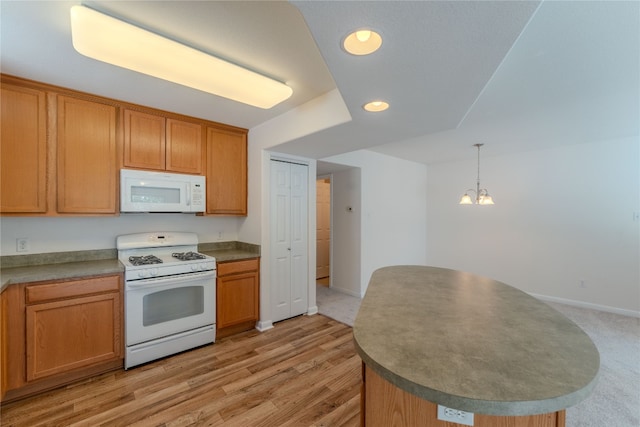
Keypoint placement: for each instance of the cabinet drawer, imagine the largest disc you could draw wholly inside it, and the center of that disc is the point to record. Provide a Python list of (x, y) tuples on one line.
[(234, 267), (70, 289)]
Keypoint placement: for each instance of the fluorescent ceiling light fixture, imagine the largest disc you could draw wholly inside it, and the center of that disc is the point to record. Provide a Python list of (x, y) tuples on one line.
[(375, 106), (110, 40), (362, 42)]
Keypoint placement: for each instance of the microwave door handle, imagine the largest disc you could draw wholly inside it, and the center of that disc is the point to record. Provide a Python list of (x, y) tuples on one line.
[(188, 194)]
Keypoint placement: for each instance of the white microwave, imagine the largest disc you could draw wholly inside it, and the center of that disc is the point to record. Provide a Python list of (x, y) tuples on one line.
[(144, 191)]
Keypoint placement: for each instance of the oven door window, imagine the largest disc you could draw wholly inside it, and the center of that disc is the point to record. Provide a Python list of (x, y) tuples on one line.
[(172, 304)]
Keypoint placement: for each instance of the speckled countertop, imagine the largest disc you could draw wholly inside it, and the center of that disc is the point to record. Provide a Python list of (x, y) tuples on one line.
[(68, 265), (230, 251), (472, 343), (67, 270)]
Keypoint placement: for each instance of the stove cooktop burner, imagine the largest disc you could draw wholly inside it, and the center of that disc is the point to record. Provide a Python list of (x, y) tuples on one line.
[(144, 260), (187, 256)]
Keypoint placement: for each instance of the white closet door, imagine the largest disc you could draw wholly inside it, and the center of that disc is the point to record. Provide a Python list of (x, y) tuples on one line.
[(280, 238), (289, 223), (299, 233)]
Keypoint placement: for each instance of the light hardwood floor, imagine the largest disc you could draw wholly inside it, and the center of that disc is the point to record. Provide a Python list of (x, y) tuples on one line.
[(304, 372)]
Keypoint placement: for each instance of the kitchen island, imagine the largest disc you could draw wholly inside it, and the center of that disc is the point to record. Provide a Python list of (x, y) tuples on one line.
[(431, 336)]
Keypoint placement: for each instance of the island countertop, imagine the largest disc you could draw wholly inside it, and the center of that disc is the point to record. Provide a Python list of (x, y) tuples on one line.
[(472, 343)]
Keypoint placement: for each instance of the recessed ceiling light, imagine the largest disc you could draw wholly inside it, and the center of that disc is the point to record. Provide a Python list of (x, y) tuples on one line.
[(375, 106), (362, 42)]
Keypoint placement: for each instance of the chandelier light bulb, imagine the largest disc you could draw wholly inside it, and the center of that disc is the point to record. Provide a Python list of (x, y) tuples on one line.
[(466, 200)]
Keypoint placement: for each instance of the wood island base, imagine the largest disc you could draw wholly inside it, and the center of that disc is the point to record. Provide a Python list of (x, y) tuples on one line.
[(383, 404)]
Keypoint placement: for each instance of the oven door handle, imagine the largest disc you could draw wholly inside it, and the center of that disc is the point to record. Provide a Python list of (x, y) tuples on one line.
[(163, 281)]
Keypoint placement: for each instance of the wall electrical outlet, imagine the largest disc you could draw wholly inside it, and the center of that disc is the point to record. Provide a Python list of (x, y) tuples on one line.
[(22, 244), (455, 415)]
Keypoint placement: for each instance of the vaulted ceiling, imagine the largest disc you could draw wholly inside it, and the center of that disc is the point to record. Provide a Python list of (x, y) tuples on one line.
[(515, 75)]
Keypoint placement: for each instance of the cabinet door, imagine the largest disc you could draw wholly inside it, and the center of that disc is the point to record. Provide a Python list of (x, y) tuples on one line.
[(237, 299), (23, 150), (184, 147), (70, 334), (87, 163), (144, 140), (226, 172)]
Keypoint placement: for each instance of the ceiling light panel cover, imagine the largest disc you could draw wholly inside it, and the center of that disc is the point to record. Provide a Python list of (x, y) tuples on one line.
[(110, 40)]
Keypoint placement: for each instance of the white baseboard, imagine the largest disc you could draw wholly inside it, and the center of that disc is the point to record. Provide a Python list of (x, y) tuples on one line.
[(345, 291), (312, 310), (589, 305), (264, 325)]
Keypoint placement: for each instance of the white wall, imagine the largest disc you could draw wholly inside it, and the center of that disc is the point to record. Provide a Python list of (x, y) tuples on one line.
[(60, 234), (322, 112), (562, 216), (393, 211), (325, 111), (346, 231)]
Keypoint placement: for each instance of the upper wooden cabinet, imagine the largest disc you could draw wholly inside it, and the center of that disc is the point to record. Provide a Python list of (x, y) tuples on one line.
[(87, 157), (226, 172), (61, 151), (159, 143), (23, 150), (58, 152), (184, 147), (144, 140)]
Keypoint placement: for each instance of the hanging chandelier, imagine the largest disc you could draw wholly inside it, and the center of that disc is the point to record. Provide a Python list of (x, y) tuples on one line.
[(482, 197)]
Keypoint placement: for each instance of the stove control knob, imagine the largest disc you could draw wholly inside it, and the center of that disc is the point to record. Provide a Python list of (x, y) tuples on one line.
[(143, 273), (194, 267), (154, 272)]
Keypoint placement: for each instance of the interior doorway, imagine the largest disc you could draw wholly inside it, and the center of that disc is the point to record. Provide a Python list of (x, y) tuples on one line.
[(323, 231)]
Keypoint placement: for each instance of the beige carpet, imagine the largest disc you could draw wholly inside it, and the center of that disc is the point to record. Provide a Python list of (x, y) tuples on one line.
[(337, 305), (615, 401)]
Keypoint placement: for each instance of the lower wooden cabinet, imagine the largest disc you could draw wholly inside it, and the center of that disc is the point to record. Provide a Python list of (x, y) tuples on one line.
[(58, 332), (238, 296)]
